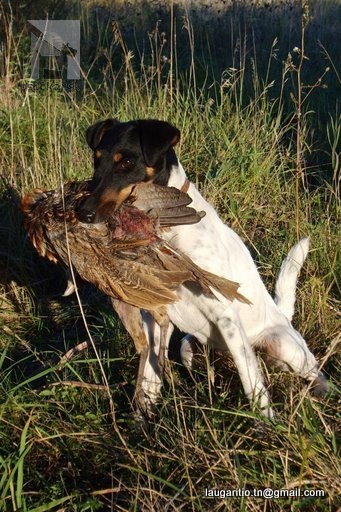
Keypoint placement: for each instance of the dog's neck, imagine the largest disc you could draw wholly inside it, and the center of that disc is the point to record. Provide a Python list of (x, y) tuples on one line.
[(177, 176), (178, 179)]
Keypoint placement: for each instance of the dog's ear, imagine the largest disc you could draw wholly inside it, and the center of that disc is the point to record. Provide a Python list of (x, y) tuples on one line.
[(95, 132), (156, 137)]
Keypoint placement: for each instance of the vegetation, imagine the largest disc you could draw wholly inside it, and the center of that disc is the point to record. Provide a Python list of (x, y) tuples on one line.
[(261, 139)]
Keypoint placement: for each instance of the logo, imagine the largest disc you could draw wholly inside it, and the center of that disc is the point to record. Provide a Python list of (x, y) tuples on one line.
[(55, 49)]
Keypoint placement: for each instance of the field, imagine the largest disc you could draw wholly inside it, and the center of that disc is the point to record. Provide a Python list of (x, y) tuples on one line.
[(255, 92)]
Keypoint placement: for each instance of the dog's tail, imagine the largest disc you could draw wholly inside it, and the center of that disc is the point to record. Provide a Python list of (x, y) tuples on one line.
[(285, 291)]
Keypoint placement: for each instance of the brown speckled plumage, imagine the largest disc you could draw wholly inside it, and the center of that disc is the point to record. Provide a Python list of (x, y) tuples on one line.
[(123, 256)]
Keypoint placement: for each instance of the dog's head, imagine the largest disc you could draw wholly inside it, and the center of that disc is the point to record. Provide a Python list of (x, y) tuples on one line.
[(126, 154)]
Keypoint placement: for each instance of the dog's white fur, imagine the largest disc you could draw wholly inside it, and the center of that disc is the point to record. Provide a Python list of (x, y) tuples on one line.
[(285, 291), (285, 294), (234, 326)]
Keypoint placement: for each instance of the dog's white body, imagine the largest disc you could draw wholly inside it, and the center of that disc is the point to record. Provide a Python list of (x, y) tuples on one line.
[(235, 326)]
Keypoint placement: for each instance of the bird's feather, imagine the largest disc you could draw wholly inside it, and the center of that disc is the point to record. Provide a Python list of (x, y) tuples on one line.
[(125, 256)]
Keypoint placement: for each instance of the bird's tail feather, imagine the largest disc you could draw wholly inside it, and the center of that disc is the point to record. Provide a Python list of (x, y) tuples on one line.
[(209, 281)]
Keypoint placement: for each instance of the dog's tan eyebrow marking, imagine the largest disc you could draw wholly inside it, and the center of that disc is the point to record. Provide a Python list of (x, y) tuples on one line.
[(98, 153), (117, 157)]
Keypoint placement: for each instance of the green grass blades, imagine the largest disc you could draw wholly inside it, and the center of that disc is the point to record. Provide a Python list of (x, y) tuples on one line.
[(236, 86)]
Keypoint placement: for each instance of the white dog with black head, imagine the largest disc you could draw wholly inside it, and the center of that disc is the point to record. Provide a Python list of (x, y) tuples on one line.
[(142, 150)]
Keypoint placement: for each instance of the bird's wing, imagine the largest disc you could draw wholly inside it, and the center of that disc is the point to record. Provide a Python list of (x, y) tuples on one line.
[(166, 204), (136, 283), (206, 279)]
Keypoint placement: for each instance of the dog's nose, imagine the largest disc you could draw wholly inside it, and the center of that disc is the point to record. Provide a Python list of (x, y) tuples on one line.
[(87, 216), (86, 210)]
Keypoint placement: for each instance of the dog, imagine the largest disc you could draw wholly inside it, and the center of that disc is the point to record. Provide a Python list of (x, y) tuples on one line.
[(126, 153)]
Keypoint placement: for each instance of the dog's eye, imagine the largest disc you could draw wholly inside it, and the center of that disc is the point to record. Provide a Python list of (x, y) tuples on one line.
[(127, 163)]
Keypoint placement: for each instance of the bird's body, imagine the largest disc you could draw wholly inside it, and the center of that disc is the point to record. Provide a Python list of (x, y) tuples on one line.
[(124, 257)]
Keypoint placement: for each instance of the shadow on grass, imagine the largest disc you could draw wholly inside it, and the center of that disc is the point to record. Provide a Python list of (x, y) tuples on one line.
[(39, 325)]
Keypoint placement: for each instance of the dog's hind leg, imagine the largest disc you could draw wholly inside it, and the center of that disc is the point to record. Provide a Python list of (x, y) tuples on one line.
[(288, 350)]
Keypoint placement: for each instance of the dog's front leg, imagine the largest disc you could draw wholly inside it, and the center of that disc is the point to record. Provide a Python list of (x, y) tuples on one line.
[(165, 332), (158, 342)]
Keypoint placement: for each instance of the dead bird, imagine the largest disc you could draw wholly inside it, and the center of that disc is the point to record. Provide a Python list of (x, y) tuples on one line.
[(125, 255)]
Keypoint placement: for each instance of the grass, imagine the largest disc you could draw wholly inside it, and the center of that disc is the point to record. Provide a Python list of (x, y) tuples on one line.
[(69, 439)]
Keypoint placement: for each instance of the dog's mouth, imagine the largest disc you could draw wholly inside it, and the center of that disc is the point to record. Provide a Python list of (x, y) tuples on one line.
[(93, 210)]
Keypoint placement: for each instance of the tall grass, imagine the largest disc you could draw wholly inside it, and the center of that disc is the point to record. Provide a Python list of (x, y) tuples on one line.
[(68, 441)]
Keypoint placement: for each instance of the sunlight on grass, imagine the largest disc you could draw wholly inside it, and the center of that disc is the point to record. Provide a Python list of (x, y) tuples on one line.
[(69, 438)]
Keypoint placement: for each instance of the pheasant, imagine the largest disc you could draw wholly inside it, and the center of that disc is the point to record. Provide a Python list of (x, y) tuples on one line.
[(125, 255)]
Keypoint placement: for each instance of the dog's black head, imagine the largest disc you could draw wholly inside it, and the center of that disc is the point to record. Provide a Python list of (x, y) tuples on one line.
[(126, 154)]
